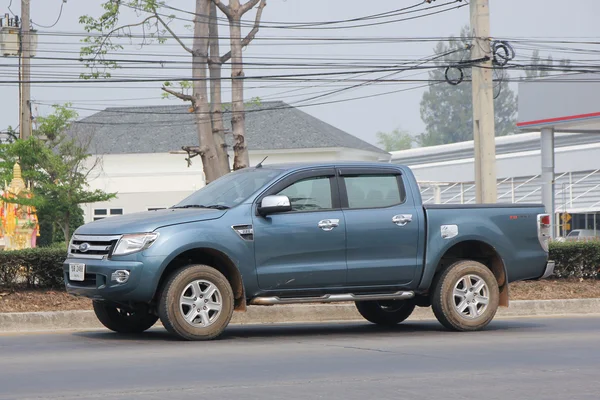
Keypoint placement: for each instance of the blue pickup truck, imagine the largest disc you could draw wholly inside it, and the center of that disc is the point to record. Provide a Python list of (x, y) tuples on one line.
[(283, 234)]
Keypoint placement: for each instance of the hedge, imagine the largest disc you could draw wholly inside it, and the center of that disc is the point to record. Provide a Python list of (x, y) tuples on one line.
[(42, 267), (33, 268), (576, 259)]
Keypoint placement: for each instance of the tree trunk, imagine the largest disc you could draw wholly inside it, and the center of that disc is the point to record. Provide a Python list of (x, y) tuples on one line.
[(241, 159), (210, 161), (216, 111), (66, 230)]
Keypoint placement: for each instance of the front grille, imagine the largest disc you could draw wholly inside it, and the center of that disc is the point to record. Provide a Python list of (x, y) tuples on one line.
[(92, 246)]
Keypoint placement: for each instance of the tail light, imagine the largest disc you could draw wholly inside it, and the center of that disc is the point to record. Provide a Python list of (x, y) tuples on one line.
[(544, 228)]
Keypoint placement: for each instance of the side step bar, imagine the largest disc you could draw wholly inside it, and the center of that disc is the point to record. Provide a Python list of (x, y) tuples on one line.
[(331, 298)]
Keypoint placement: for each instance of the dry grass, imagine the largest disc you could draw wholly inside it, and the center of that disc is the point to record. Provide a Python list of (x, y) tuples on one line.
[(40, 300), (555, 289), (44, 300)]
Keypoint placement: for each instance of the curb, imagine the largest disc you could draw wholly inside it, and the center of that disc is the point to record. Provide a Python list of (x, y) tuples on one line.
[(295, 313)]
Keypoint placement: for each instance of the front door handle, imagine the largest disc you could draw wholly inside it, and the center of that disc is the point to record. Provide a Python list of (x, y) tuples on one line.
[(402, 219), (328, 224)]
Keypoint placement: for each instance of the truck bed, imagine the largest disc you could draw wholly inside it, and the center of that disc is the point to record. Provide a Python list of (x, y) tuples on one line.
[(510, 229)]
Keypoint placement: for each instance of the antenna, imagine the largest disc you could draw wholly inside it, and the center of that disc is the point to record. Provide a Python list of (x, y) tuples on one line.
[(259, 165)]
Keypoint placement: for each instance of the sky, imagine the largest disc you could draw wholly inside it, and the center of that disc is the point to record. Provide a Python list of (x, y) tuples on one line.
[(379, 111)]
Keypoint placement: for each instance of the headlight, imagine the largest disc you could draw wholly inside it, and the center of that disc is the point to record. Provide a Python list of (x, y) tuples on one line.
[(136, 242)]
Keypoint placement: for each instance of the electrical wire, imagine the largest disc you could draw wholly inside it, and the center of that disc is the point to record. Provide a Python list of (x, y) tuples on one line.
[(62, 3), (11, 11), (325, 24), (248, 111)]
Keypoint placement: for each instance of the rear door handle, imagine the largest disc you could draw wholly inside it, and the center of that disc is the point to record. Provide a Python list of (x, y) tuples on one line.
[(328, 224), (402, 219)]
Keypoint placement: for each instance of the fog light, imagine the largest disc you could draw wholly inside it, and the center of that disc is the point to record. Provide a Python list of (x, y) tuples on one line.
[(120, 276)]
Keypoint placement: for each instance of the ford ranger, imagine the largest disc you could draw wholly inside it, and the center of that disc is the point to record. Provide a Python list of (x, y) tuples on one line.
[(283, 234)]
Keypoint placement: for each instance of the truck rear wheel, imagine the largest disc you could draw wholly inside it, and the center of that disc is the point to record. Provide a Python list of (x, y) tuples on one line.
[(122, 320), (196, 303), (465, 296), (387, 312)]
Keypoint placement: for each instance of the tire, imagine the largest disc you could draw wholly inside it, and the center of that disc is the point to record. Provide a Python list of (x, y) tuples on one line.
[(188, 291), (123, 321), (466, 312), (388, 313)]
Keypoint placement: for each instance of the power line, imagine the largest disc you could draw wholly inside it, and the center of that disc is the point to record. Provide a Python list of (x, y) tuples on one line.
[(57, 19), (325, 24), (11, 11)]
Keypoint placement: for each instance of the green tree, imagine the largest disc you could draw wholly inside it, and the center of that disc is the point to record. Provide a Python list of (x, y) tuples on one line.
[(447, 110), (56, 165), (395, 140)]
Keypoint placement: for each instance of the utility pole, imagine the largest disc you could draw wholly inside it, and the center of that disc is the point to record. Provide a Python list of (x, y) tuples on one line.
[(25, 98), (483, 104)]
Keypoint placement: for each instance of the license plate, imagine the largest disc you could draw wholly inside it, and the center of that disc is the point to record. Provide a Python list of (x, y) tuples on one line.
[(77, 272)]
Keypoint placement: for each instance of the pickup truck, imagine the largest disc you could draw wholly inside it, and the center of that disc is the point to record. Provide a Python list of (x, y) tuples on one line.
[(283, 234)]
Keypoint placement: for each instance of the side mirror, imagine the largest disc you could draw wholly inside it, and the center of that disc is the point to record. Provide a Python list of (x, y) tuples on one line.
[(274, 204)]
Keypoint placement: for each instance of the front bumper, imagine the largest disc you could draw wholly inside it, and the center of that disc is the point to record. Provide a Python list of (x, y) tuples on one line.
[(549, 270), (98, 284)]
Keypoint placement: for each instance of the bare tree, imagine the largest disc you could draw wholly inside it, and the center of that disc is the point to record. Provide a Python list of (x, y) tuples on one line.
[(216, 109), (234, 12), (199, 97), (205, 55)]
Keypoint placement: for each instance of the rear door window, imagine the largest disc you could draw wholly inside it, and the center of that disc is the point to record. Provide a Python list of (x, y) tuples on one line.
[(374, 191)]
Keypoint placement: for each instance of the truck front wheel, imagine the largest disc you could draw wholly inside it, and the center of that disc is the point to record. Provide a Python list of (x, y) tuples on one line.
[(196, 303), (124, 320), (465, 296), (388, 312)]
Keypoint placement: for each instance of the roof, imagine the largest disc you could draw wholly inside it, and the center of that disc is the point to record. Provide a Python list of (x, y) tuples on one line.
[(504, 145), (272, 125)]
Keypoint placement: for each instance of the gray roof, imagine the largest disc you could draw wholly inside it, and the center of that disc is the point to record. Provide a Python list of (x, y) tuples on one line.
[(272, 125)]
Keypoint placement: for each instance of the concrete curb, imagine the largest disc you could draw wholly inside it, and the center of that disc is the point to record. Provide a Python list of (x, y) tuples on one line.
[(78, 320)]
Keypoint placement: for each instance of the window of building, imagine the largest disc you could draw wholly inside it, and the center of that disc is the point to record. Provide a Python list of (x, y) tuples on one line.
[(372, 191), (309, 194), (100, 213)]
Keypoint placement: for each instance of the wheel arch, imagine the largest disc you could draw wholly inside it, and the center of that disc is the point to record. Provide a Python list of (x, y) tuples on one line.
[(213, 258), (480, 251)]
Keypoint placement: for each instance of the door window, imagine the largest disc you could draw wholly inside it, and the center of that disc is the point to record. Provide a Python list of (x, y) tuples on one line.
[(311, 194), (373, 191)]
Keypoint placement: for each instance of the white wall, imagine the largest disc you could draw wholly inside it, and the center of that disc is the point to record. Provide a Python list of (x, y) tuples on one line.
[(162, 180), (144, 180), (567, 159)]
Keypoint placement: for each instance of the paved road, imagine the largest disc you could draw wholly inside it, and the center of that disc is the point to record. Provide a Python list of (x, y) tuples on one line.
[(513, 359)]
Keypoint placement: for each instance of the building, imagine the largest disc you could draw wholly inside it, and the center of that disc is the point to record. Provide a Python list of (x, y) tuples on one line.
[(446, 174), (138, 150)]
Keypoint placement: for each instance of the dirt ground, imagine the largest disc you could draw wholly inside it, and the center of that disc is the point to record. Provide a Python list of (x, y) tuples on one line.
[(45, 300)]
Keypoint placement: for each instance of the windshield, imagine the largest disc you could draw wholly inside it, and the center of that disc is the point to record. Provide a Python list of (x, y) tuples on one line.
[(230, 190)]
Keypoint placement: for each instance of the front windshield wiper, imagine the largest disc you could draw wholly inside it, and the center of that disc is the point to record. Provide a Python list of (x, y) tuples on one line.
[(214, 206)]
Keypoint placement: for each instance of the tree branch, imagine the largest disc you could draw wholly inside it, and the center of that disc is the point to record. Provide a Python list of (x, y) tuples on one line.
[(246, 41), (224, 9), (186, 48), (249, 4), (109, 34), (185, 97)]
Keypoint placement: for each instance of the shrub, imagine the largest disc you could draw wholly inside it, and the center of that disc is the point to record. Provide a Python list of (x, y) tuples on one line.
[(33, 268), (576, 259)]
